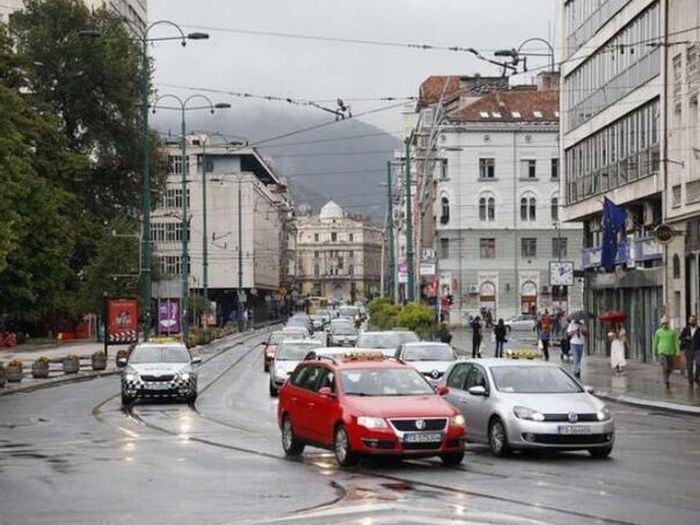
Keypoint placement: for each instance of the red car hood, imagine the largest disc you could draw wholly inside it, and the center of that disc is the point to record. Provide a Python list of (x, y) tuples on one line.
[(400, 406)]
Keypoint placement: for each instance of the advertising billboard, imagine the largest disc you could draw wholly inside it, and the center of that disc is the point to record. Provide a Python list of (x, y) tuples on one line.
[(122, 321), (169, 316)]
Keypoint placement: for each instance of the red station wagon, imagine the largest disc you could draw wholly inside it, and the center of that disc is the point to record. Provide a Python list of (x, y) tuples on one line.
[(364, 404)]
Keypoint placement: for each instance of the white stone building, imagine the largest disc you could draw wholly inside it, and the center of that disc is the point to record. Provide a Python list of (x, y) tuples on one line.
[(338, 255), (265, 215)]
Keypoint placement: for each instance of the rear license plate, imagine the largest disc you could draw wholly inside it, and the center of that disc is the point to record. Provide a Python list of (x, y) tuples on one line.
[(574, 429), (423, 437), (158, 386)]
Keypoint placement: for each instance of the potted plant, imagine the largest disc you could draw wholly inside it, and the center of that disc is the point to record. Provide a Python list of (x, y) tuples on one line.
[(99, 360), (121, 354), (14, 371), (40, 368), (3, 375), (71, 364)]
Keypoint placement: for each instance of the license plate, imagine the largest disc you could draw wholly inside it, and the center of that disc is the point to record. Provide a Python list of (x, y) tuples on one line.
[(423, 437), (157, 386), (574, 429)]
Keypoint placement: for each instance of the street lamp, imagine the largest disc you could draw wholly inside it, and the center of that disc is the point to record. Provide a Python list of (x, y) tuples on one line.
[(144, 39), (182, 106), (516, 54)]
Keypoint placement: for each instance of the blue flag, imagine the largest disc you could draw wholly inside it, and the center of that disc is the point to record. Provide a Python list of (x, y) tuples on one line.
[(613, 221)]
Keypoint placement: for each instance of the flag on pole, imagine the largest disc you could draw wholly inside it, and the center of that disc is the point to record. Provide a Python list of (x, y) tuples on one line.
[(613, 221)]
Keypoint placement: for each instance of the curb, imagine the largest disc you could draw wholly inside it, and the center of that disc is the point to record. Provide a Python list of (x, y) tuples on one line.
[(665, 406)]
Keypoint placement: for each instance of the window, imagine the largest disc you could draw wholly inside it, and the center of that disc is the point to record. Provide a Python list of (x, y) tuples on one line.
[(351, 255), (317, 269), (482, 209), (491, 209), (533, 209), (170, 265), (173, 198), (523, 209), (676, 267), (351, 269), (445, 211), (340, 263), (676, 195), (559, 247), (307, 377), (315, 237), (528, 169), (555, 209), (458, 375), (444, 248), (175, 164), (554, 169), (351, 237), (334, 237), (528, 209), (487, 248), (316, 254), (528, 247), (487, 168), (537, 114)]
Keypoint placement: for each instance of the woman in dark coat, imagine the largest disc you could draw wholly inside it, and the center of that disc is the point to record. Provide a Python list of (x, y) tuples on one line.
[(500, 333), (476, 336)]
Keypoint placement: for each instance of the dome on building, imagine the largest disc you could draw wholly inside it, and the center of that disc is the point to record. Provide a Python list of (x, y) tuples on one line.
[(331, 211)]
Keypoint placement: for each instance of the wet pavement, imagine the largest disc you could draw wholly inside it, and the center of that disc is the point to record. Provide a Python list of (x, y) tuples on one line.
[(70, 454)]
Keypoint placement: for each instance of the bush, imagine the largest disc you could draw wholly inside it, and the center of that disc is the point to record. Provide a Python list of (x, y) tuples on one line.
[(385, 317), (378, 304), (418, 318)]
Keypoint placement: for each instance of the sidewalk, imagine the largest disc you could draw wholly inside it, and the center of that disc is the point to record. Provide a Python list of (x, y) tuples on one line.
[(642, 385)]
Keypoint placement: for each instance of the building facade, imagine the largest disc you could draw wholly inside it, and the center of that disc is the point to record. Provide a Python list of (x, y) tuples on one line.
[(338, 255), (236, 178), (613, 145)]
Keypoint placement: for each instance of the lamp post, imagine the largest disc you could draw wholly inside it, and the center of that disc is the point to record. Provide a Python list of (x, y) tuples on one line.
[(144, 39), (516, 54), (182, 106), (410, 292)]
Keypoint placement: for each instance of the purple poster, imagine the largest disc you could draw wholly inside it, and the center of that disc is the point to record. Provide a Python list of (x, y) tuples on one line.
[(169, 316)]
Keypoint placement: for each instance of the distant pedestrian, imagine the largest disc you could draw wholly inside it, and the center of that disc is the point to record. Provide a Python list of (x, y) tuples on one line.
[(665, 348), (476, 337), (690, 342), (618, 340), (499, 333), (544, 343), (577, 334)]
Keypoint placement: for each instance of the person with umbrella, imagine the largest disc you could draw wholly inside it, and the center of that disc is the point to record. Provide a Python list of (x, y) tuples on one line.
[(618, 339)]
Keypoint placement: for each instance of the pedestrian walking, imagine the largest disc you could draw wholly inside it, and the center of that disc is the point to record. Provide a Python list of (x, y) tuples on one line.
[(476, 337), (577, 334), (690, 343), (618, 340), (499, 332), (665, 348)]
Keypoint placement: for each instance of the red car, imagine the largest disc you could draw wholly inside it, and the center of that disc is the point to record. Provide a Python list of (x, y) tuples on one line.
[(270, 346), (359, 405)]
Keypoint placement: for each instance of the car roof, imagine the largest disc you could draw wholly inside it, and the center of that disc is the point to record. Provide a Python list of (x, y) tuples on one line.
[(161, 344), (314, 342), (425, 343), (491, 362)]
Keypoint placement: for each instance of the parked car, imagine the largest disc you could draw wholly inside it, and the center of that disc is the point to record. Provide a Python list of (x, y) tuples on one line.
[(516, 405), (159, 370), (525, 322), (359, 406), (387, 342), (430, 359), (289, 354), (270, 344)]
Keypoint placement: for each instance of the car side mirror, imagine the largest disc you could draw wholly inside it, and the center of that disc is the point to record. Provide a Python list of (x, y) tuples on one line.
[(477, 390), (121, 361), (326, 392), (196, 360), (442, 390), (589, 389)]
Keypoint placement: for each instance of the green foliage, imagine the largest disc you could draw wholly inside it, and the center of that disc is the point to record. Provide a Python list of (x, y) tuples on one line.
[(377, 304), (418, 318)]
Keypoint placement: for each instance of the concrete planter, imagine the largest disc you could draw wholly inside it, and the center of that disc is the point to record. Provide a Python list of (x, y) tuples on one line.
[(3, 375), (120, 354), (99, 361), (40, 369), (71, 364), (14, 373)]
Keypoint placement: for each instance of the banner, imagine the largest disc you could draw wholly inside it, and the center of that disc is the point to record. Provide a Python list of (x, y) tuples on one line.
[(168, 316), (122, 321)]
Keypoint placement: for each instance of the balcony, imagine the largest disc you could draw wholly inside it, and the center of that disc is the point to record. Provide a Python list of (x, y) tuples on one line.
[(639, 250)]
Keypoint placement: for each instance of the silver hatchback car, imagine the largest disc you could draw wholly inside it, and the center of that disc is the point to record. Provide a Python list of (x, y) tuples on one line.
[(522, 404)]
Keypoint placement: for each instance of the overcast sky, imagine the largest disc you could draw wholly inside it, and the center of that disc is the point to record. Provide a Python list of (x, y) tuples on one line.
[(309, 69)]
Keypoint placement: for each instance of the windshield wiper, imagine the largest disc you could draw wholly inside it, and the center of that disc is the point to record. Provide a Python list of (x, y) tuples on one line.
[(358, 394)]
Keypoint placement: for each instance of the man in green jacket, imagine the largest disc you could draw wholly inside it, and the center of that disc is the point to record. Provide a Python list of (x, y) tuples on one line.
[(665, 348)]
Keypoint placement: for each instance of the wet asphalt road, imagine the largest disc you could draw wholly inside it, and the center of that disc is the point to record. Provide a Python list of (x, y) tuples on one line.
[(70, 454)]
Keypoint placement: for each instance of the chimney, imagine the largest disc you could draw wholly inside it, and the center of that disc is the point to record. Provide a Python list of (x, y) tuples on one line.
[(547, 80)]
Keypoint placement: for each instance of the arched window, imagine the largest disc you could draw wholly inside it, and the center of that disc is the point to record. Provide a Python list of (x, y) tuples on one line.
[(491, 209), (533, 209), (676, 267), (482, 209), (445, 211), (555, 209), (523, 209)]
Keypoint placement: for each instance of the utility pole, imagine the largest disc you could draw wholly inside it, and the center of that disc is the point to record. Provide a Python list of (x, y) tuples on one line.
[(240, 259), (390, 229), (146, 287), (410, 292), (184, 263), (205, 249)]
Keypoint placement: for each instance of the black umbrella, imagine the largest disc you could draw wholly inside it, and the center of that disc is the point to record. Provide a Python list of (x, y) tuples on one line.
[(580, 315)]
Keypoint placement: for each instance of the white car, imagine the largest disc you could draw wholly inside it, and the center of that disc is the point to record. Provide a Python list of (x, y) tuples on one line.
[(288, 355), (521, 323), (430, 359)]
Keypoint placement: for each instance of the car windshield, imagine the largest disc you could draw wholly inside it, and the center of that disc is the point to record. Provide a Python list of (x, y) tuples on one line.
[(277, 337), (349, 311), (407, 337), (389, 340), (344, 329), (159, 354), (428, 353), (534, 380), (323, 313), (292, 351), (384, 382), (297, 321)]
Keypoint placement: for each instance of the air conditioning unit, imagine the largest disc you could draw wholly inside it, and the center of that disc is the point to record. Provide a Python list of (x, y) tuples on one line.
[(473, 289)]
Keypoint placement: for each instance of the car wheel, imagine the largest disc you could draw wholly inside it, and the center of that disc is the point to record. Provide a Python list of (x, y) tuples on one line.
[(273, 391), (341, 446), (126, 400), (602, 452), (290, 443), (498, 440), (452, 459), (191, 398)]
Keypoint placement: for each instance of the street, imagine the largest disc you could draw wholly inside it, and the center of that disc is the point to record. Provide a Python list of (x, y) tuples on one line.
[(70, 454)]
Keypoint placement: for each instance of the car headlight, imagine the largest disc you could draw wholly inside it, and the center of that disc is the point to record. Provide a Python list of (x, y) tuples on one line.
[(457, 421), (603, 414), (184, 376), (372, 422), (527, 413), (131, 377), (280, 372)]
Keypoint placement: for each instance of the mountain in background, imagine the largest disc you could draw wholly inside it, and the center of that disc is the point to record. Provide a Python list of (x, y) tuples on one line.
[(344, 160)]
